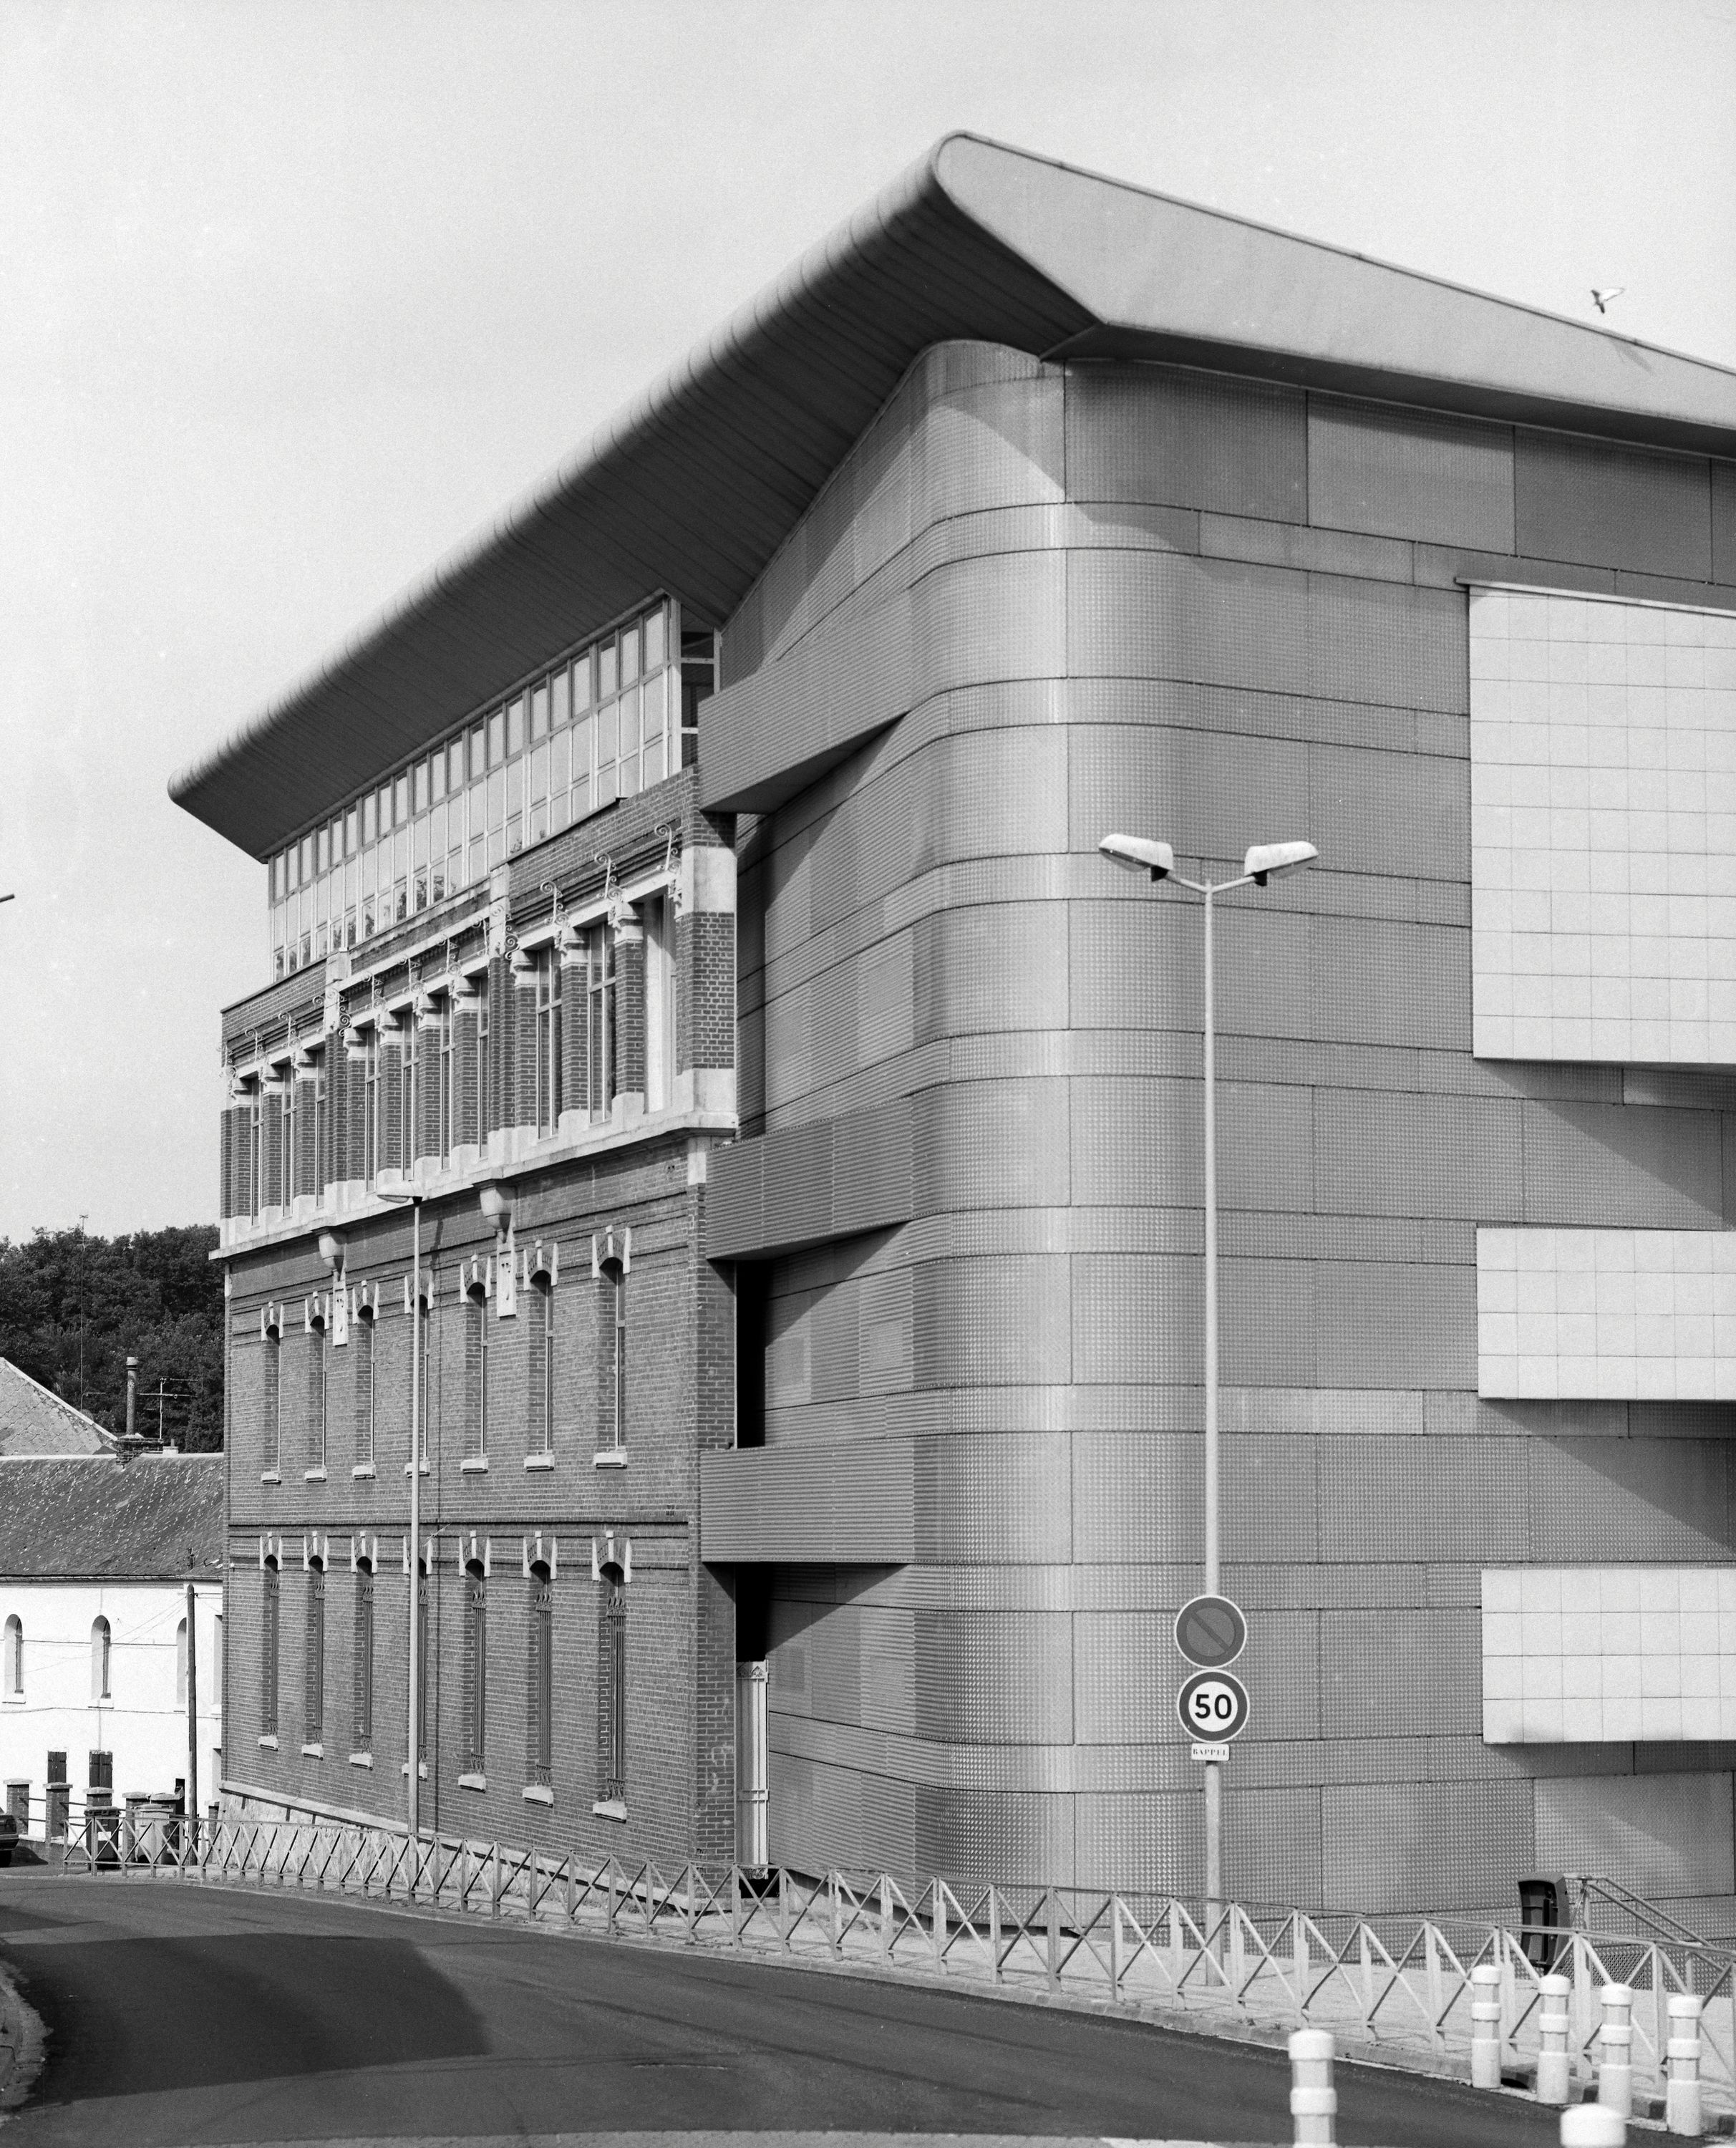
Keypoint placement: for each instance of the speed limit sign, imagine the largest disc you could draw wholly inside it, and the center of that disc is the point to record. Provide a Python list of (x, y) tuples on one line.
[(1213, 1705)]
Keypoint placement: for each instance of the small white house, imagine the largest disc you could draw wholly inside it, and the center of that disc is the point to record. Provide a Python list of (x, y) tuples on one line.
[(97, 1552)]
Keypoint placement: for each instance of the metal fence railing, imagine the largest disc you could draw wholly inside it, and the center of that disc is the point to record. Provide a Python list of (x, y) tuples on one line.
[(1402, 1987)]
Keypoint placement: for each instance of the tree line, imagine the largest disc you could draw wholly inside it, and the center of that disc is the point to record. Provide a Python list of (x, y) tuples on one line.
[(73, 1307)]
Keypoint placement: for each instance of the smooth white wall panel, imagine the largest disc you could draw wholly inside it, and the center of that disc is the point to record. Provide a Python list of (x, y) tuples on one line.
[(1603, 829)]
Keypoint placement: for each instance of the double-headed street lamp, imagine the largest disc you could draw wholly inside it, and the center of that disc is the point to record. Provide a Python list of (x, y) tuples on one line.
[(1263, 862)]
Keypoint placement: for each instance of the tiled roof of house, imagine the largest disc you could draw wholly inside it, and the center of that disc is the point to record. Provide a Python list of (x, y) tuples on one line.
[(156, 1517), (35, 1421)]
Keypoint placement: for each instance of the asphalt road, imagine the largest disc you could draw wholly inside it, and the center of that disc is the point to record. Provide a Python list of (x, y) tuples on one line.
[(178, 2014)]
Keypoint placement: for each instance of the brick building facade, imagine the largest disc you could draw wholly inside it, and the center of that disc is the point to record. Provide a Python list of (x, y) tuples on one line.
[(1028, 508)]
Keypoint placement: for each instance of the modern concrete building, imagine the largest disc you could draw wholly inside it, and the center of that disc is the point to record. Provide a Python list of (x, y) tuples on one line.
[(1027, 507)]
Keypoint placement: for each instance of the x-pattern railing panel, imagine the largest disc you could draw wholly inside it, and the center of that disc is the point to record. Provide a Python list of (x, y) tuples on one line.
[(1403, 1983)]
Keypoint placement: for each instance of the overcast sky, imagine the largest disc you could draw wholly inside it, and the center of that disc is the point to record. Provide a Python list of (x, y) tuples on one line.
[(295, 296)]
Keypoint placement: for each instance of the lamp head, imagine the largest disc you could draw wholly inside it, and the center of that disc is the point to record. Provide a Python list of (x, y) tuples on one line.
[(1265, 862), (331, 1248), (1139, 854), (495, 1205)]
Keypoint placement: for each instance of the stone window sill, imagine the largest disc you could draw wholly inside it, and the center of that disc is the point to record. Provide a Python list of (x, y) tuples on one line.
[(610, 1458), (538, 1461), (268, 1745), (407, 1469), (270, 1476), (361, 1759), (403, 1769), (312, 1752), (362, 1469), (473, 1782), (536, 1795), (473, 1465), (610, 1808), (313, 1476), (11, 1700)]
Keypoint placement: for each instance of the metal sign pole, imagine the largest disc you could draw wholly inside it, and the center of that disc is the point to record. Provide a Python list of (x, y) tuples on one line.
[(1214, 1770)]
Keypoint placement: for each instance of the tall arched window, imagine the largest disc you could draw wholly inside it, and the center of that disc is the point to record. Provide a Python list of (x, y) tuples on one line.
[(268, 1653), (362, 1665), (541, 1352), (539, 1690), (99, 1639), (362, 1339), (476, 1669), (613, 1415), (476, 1374), (612, 1688), (11, 1660), (271, 1382), (312, 1729), (316, 1393)]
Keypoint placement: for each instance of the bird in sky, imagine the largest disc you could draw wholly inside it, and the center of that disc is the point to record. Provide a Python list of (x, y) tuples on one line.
[(1601, 299)]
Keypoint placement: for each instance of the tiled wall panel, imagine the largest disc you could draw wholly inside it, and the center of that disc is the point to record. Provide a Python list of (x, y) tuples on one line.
[(1390, 1673), (1612, 506), (1410, 474), (1608, 1164), (1383, 1154), (1156, 615), (1405, 1846), (1135, 1141), (979, 1145), (994, 1679), (1387, 643), (1660, 1835), (1422, 1500), (1629, 1498), (1603, 807), (1407, 814), (995, 1499), (1723, 523), (1272, 1843), (994, 967), (1203, 790), (987, 1321), (1026, 1837), (1153, 433)]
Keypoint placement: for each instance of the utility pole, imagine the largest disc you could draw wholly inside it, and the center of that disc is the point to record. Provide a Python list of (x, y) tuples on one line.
[(190, 1819)]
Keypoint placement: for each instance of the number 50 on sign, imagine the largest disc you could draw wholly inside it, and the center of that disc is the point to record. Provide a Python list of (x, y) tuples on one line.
[(1213, 1705)]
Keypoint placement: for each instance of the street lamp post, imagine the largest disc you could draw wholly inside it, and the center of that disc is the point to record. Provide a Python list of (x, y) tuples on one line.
[(414, 1772), (1263, 862)]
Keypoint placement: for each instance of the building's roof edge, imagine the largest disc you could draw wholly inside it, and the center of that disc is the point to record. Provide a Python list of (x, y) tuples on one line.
[(693, 485)]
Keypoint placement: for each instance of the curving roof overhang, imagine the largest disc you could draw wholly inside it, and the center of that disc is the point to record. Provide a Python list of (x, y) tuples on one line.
[(694, 486)]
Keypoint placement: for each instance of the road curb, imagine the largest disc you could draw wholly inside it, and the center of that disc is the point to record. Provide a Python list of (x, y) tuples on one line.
[(21, 2042)]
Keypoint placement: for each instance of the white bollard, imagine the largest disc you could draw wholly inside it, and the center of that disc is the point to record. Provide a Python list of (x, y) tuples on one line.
[(1485, 2025), (1554, 2063), (1313, 2102), (1682, 2098), (1615, 2051), (1590, 2125)]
